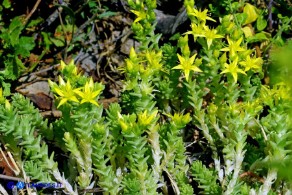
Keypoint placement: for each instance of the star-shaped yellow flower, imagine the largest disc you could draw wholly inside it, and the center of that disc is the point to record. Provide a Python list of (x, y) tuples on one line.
[(88, 94), (64, 90), (210, 35), (187, 64), (233, 69), (201, 15), (141, 15), (197, 30), (233, 47), (154, 59), (252, 63)]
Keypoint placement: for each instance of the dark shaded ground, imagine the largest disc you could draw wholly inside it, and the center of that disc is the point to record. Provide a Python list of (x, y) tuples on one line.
[(104, 44)]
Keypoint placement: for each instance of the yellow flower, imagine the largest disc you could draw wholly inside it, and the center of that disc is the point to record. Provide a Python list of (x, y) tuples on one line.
[(62, 65), (133, 54), (233, 69), (201, 15), (132, 63), (282, 91), (187, 64), (233, 46), (180, 118), (210, 35), (154, 59), (64, 90), (141, 15), (71, 68), (197, 30), (204, 31), (145, 118), (125, 125), (88, 94), (252, 63)]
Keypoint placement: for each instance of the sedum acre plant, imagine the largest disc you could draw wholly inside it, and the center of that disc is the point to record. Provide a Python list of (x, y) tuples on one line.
[(210, 83)]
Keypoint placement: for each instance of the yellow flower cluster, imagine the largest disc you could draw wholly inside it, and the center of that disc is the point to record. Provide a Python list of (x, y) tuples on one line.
[(200, 29), (65, 92), (249, 63)]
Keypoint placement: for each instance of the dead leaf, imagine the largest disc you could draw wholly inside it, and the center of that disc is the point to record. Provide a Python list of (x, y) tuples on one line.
[(42, 100)]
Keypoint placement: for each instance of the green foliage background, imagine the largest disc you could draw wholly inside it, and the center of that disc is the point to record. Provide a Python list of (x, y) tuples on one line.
[(207, 111)]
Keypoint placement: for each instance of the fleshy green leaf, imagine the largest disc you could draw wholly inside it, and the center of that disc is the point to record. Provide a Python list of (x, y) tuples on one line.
[(261, 23), (257, 38), (241, 17)]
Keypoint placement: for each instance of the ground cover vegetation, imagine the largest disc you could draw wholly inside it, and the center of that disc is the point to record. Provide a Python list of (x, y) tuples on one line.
[(136, 97)]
